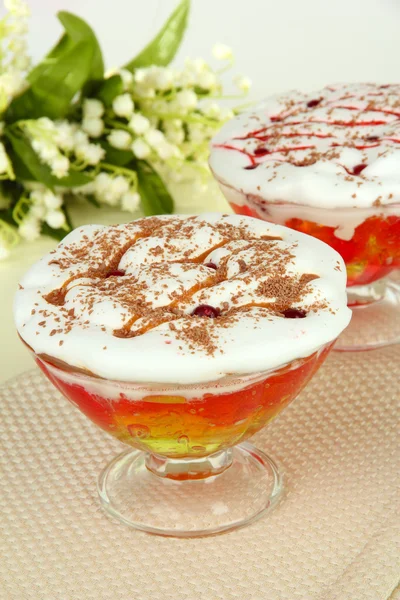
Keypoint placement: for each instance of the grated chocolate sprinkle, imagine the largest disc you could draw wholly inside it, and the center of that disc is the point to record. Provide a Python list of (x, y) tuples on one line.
[(155, 273)]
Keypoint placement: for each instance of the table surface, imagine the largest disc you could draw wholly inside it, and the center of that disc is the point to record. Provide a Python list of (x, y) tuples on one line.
[(14, 357)]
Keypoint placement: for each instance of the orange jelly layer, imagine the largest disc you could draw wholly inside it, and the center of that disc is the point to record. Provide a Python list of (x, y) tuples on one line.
[(372, 253), (175, 426)]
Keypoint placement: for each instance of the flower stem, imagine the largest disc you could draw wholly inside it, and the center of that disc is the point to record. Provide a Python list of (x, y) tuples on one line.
[(129, 173)]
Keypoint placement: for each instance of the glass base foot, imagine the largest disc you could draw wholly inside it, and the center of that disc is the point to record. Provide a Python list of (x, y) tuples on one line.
[(160, 496), (376, 317)]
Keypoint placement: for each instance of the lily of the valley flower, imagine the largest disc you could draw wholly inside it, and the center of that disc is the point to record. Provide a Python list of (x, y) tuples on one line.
[(140, 149), (130, 201), (139, 124), (120, 139), (123, 106), (243, 83), (30, 229), (93, 126), (222, 52), (55, 219), (92, 108)]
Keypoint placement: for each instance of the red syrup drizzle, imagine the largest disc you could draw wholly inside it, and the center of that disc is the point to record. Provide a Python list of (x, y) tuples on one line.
[(385, 112), (229, 147), (358, 169), (264, 151), (265, 138), (261, 134)]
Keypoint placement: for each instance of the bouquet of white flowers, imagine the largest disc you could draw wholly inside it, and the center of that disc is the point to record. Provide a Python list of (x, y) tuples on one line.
[(69, 130)]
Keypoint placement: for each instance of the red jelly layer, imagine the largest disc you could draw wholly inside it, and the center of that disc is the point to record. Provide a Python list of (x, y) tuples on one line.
[(175, 426), (372, 253)]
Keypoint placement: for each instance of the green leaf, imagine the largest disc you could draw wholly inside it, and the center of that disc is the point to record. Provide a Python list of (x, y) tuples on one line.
[(74, 63), (28, 167), (156, 200), (76, 30), (79, 30), (109, 89), (64, 44), (115, 156), (22, 173), (73, 179), (51, 94), (162, 49), (92, 200), (29, 159), (57, 234)]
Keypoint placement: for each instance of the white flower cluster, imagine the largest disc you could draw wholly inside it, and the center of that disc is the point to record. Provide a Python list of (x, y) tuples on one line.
[(60, 143), (113, 189), (92, 123), (14, 59), (166, 115), (43, 207)]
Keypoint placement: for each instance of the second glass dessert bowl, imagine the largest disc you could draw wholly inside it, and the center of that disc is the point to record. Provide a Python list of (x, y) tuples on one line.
[(182, 337), (327, 164)]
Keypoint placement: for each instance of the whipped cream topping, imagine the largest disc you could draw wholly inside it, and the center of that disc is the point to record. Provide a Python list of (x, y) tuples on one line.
[(336, 147), (182, 300)]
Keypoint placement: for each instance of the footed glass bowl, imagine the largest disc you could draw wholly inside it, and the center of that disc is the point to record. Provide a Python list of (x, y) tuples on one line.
[(188, 471), (368, 239)]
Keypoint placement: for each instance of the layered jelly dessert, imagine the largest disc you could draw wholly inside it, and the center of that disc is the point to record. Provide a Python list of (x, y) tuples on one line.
[(183, 336), (325, 163)]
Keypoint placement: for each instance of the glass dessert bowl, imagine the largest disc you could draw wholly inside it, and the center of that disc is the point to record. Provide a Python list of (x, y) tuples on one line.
[(327, 164), (182, 337)]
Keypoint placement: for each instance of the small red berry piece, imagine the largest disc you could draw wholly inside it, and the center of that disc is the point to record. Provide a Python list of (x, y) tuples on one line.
[(313, 103), (372, 138), (294, 313), (205, 310), (358, 168), (211, 265), (251, 167), (115, 273)]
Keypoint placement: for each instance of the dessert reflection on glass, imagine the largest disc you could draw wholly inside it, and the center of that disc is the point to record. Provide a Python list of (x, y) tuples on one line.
[(182, 337), (327, 164)]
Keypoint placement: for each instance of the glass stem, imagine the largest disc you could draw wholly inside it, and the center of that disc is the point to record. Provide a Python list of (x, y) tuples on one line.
[(182, 469)]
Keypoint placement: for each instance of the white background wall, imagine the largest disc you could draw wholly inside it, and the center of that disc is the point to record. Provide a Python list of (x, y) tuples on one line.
[(280, 44)]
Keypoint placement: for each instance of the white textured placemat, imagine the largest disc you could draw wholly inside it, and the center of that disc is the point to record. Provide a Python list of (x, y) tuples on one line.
[(335, 536)]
